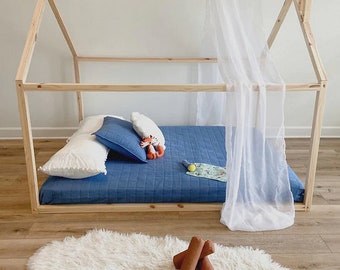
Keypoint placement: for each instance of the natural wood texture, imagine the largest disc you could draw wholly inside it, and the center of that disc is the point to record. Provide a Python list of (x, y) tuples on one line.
[(278, 23), (30, 41), (28, 146), (314, 147), (62, 27), (303, 9), (79, 94), (145, 59), (310, 42), (70, 87), (73, 52), (312, 243), (129, 207)]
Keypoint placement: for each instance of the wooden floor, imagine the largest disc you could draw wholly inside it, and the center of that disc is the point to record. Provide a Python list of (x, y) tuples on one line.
[(312, 243)]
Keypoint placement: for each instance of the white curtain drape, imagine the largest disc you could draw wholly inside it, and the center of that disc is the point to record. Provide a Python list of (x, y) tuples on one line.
[(252, 109)]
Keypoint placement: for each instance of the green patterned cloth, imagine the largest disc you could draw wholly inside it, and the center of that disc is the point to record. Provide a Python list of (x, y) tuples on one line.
[(209, 171)]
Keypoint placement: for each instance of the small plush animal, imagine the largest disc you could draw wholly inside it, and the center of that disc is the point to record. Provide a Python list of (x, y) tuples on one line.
[(151, 136), (154, 148)]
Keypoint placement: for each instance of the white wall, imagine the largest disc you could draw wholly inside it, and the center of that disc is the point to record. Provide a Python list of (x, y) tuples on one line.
[(148, 28)]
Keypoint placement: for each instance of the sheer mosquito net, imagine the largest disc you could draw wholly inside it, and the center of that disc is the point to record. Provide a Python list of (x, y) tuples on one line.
[(258, 193)]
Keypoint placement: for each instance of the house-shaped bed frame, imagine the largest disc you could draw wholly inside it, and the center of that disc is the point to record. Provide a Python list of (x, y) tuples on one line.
[(303, 8)]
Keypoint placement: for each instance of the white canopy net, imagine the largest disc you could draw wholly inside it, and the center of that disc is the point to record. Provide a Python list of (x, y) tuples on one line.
[(252, 109)]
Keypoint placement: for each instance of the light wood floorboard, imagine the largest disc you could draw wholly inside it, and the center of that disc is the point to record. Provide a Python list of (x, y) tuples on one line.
[(312, 243)]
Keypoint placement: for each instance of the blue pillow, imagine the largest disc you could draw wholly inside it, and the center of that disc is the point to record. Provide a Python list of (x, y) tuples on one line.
[(120, 136), (296, 186)]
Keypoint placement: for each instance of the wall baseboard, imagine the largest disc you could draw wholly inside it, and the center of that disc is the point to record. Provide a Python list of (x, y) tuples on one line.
[(56, 132), (305, 132), (65, 132)]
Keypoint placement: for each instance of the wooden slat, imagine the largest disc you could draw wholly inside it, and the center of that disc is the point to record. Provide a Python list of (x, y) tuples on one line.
[(133, 207), (123, 87), (313, 52), (307, 9), (62, 27), (303, 11), (30, 41), (73, 52), (137, 207), (301, 4), (28, 146), (279, 21), (314, 147), (152, 87), (310, 42), (146, 59), (79, 94), (80, 106)]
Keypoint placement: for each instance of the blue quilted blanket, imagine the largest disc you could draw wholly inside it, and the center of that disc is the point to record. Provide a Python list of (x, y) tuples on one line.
[(160, 180)]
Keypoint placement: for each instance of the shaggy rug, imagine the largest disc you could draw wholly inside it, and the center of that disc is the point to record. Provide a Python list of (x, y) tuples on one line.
[(106, 250)]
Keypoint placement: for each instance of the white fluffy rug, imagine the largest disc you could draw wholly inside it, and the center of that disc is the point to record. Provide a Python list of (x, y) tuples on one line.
[(104, 250)]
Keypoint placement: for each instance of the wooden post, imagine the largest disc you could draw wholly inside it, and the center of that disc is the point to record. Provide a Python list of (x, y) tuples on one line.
[(303, 9), (314, 147), (23, 105), (30, 41), (79, 94), (73, 52), (62, 27), (28, 147)]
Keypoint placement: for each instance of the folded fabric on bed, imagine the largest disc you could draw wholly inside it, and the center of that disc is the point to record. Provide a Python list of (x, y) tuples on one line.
[(209, 171), (119, 135), (161, 180)]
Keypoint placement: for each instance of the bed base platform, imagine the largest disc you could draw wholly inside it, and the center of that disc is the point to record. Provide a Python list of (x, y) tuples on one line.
[(139, 207)]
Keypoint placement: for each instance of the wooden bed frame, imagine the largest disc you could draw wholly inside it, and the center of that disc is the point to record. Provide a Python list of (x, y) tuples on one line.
[(303, 8)]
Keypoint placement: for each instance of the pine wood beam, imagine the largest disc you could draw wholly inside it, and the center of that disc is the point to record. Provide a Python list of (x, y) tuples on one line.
[(147, 59), (278, 23), (73, 52), (79, 94), (71, 87), (30, 41), (303, 9), (304, 16), (138, 207), (26, 128), (314, 147), (23, 104), (62, 27)]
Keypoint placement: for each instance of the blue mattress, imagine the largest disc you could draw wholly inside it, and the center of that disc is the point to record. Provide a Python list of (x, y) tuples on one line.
[(159, 181)]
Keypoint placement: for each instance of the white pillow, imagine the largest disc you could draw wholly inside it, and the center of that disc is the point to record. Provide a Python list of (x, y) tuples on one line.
[(81, 157), (91, 124), (145, 127)]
